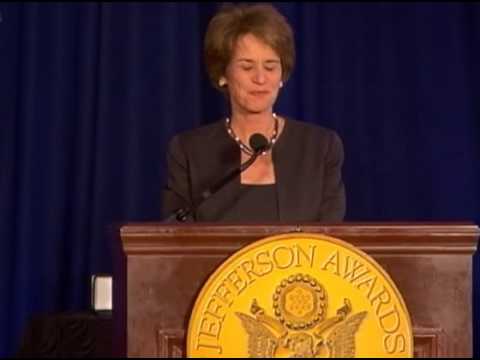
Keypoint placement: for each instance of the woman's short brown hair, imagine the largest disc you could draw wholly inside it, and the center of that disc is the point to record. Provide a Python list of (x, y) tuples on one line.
[(233, 21)]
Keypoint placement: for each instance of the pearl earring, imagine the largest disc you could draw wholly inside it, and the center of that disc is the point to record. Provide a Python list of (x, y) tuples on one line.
[(281, 84), (222, 82)]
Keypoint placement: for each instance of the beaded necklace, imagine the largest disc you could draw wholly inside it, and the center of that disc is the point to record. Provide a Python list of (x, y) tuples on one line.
[(245, 148)]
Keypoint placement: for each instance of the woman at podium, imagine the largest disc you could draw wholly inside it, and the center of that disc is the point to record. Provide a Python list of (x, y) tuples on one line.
[(254, 165)]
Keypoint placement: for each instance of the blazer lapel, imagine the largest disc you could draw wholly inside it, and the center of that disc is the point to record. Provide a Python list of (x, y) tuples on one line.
[(286, 174)]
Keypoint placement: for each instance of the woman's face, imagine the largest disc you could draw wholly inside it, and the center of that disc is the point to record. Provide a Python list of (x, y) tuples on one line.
[(253, 76)]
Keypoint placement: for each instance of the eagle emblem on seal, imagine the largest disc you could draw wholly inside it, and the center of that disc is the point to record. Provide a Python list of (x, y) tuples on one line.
[(300, 327)]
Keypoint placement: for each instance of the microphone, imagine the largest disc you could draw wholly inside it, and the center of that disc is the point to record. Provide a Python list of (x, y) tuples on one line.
[(258, 143)]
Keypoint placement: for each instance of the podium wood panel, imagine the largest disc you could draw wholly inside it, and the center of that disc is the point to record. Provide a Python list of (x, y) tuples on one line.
[(163, 267)]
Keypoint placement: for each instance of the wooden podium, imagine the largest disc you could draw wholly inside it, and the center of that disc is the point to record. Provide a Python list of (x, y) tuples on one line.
[(161, 269)]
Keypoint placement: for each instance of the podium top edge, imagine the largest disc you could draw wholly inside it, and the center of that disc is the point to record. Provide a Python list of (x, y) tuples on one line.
[(464, 228)]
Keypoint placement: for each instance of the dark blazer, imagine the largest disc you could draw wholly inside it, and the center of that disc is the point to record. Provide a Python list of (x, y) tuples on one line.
[(307, 161)]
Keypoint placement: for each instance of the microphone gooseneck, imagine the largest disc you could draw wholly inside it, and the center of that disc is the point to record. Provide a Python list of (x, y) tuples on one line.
[(259, 144)]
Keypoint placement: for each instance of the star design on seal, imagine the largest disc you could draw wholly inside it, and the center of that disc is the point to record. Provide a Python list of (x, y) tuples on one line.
[(299, 302)]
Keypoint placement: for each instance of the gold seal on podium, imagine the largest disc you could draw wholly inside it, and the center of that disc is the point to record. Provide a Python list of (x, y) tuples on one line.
[(300, 295)]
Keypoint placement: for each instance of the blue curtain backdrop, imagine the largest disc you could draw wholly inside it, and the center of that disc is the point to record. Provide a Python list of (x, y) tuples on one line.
[(90, 94)]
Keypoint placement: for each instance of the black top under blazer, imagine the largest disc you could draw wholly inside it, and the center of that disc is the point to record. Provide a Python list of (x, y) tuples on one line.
[(307, 163)]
